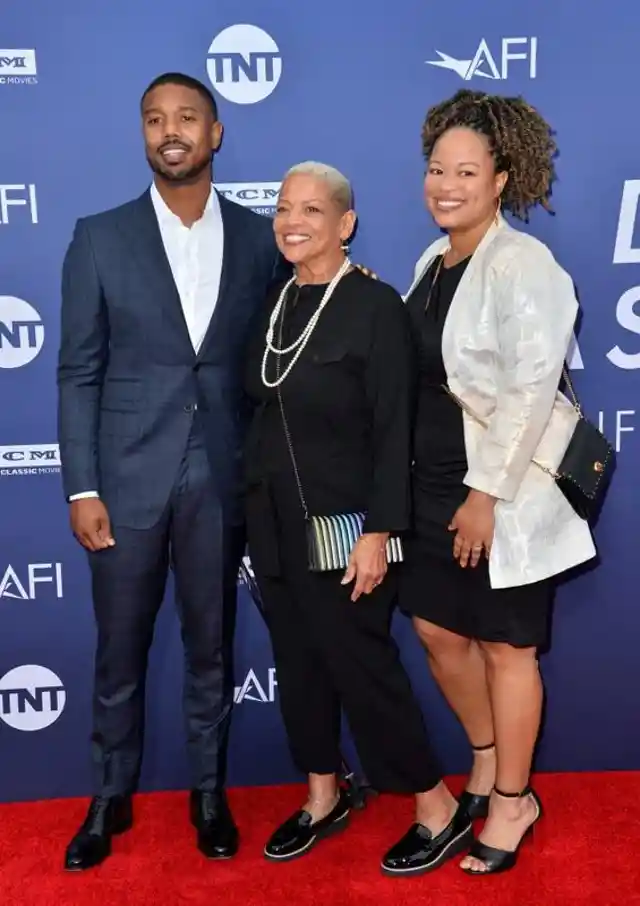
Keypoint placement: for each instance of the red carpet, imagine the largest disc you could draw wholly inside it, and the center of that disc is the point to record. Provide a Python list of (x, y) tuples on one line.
[(585, 851)]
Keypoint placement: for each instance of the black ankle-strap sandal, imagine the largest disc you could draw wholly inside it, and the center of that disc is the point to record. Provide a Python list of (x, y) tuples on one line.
[(499, 860), (475, 805)]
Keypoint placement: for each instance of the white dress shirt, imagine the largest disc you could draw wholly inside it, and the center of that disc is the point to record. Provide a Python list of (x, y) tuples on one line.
[(195, 258)]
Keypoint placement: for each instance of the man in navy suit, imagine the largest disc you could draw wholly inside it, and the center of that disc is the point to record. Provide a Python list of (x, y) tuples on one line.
[(157, 299)]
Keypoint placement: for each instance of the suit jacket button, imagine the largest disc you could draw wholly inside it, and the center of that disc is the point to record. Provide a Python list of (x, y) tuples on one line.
[(190, 407)]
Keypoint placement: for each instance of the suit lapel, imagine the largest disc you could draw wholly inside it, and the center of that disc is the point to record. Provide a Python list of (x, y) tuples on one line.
[(144, 239), (230, 263)]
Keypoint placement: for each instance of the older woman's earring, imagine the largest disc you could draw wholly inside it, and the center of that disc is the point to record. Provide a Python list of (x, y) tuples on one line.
[(345, 247)]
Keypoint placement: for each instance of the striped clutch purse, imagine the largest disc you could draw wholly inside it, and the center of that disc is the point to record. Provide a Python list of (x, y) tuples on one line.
[(330, 540)]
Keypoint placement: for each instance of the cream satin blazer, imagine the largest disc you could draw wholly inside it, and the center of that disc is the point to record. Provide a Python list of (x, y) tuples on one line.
[(503, 345)]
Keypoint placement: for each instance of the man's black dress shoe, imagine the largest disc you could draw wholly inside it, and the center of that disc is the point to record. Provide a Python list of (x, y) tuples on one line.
[(92, 844), (211, 816), (419, 851), (298, 835)]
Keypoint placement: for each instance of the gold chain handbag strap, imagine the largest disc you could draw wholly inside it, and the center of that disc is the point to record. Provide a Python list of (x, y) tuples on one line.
[(565, 373)]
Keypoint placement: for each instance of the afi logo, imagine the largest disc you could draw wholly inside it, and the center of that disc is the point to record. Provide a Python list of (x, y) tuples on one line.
[(31, 698), (18, 62), (21, 332), (261, 197), (244, 64), (18, 196), (252, 689), (483, 63), (25, 589)]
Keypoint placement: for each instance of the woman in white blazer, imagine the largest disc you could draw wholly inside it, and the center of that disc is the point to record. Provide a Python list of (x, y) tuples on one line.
[(493, 314)]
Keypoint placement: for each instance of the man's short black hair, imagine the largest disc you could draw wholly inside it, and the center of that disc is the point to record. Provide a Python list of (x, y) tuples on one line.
[(179, 78)]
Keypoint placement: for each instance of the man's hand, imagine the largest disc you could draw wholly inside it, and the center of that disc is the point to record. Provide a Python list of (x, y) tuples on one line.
[(367, 272), (367, 564), (90, 523)]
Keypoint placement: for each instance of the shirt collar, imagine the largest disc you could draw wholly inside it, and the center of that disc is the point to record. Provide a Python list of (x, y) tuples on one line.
[(166, 215)]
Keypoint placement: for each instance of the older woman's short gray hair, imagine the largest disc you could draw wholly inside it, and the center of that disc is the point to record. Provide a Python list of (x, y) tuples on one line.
[(339, 185)]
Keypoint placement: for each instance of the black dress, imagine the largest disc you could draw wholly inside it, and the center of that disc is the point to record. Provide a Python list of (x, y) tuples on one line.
[(433, 586), (347, 402)]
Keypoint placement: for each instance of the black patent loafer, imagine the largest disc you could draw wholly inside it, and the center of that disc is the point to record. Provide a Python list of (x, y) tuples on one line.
[(92, 844), (298, 835), (217, 833), (475, 805), (419, 851)]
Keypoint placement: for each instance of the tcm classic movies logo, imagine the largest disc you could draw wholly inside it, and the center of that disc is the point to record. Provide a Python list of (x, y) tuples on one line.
[(261, 197), (30, 459), (18, 67)]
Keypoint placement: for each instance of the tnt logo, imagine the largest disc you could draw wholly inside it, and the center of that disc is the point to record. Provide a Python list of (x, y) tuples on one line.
[(21, 332), (31, 698), (483, 63), (244, 64)]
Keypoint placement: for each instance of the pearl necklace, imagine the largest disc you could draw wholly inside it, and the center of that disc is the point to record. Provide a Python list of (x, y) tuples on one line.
[(304, 337)]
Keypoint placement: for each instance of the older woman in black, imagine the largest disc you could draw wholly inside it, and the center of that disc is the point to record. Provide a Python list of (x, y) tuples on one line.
[(332, 383)]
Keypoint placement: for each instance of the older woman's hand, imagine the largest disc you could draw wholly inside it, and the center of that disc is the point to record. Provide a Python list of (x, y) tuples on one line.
[(474, 524), (367, 564)]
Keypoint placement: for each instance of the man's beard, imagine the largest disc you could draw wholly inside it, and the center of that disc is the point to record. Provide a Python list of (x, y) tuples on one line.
[(187, 175)]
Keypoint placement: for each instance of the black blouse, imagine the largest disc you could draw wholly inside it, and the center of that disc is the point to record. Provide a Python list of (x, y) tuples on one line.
[(348, 402), (440, 461)]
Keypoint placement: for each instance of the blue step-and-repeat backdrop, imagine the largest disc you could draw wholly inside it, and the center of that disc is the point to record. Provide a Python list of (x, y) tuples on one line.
[(347, 83)]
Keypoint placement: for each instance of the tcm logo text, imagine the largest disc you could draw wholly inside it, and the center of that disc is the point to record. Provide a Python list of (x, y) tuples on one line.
[(261, 197), (484, 65), (18, 67), (18, 196), (30, 459), (244, 64), (25, 584), (31, 698), (252, 690)]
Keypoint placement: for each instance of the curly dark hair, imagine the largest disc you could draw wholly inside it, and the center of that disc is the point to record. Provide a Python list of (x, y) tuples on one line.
[(520, 140)]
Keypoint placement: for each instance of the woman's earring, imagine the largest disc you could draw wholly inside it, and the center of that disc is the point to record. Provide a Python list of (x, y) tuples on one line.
[(497, 217), (345, 247)]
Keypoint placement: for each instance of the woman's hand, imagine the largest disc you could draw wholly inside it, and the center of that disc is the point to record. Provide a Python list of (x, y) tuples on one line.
[(367, 563), (474, 524)]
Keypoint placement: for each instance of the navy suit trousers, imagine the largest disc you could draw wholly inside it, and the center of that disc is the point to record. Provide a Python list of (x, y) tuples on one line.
[(129, 583)]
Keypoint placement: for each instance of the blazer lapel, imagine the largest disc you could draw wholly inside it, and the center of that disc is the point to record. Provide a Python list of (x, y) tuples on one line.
[(145, 241), (231, 262), (462, 311)]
